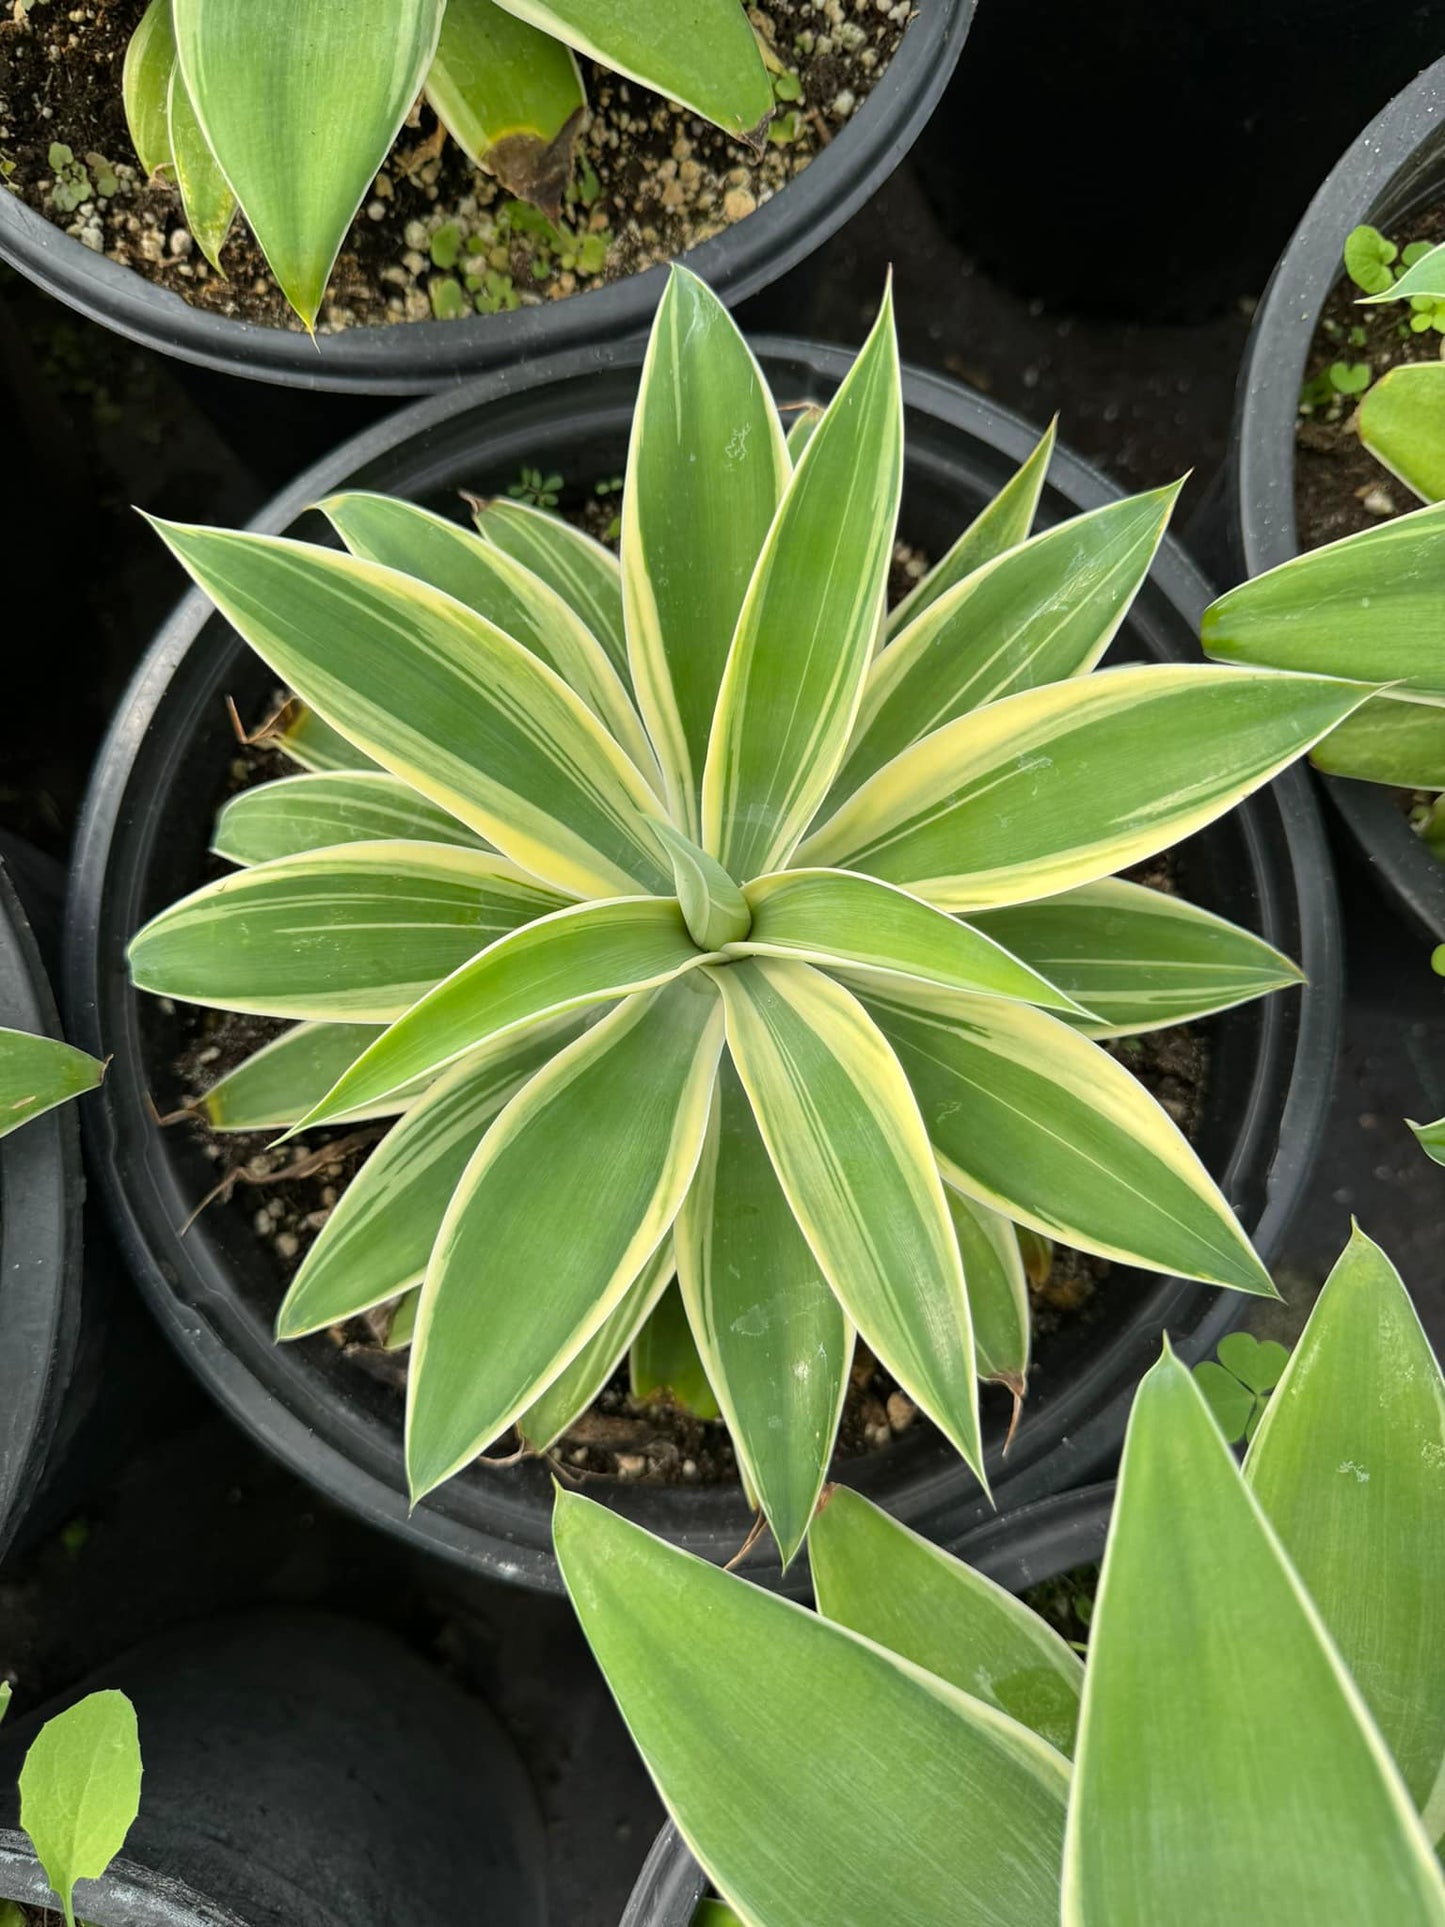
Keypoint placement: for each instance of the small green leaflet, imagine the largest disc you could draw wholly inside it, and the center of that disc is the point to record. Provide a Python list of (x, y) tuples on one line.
[(1237, 1387), (80, 1790)]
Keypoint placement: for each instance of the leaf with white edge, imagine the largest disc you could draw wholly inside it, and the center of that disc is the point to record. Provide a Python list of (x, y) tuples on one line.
[(300, 106), (278, 1084), (503, 591), (998, 1290), (1388, 741), (841, 920), (752, 1716), (1062, 785), (1430, 1138), (1425, 276), (379, 1237), (1003, 524), (206, 197), (1349, 1466), (808, 625), (357, 933), (850, 1151), (1224, 1753), (308, 739), (706, 468), (714, 908), (1041, 1124), (774, 1338), (572, 1190), (150, 58), (1138, 959), (1402, 423), (578, 1383), (800, 429), (298, 814), (1366, 606), (664, 1362), (877, 1578), (443, 699), (587, 954), (586, 576), (80, 1790), (37, 1073), (1039, 613)]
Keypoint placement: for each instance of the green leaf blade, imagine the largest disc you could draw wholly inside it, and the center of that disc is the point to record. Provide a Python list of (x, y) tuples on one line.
[(1402, 423), (278, 1084), (572, 1391), (297, 815), (150, 58), (584, 574), (510, 96), (1388, 741), (665, 1363), (37, 1073), (80, 1790)]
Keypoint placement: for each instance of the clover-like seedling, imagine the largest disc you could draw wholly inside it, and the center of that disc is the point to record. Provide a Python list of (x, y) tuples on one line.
[(80, 1791), (1370, 260), (1237, 1389)]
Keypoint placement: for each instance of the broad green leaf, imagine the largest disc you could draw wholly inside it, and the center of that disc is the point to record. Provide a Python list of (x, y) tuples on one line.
[(1366, 606), (1425, 276), (1224, 1754), (883, 1581), (510, 96), (356, 933), (379, 1237), (1063, 785), (1388, 741), (1002, 525), (1402, 423), (817, 1778), (706, 469), (1431, 1138), (443, 699), (206, 197), (704, 56), (998, 1290), (1037, 614), (299, 814), (578, 1383), (503, 591), (300, 105), (808, 624), (584, 574), (1349, 1466), (664, 1360), (585, 955), (775, 1340), (1139, 959), (850, 1151), (1041, 1124), (80, 1790), (37, 1073), (308, 739), (150, 58), (846, 921), (571, 1192), (278, 1084), (714, 908)]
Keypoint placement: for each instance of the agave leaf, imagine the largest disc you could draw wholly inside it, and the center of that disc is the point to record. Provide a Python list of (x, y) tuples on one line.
[(299, 814), (1039, 613), (845, 921), (998, 1290), (571, 1192), (1002, 525), (37, 1073), (807, 628), (706, 469), (716, 1913), (150, 58), (1366, 606), (356, 933), (1041, 1124), (1137, 958), (800, 430), (775, 1341), (443, 699), (578, 1383), (80, 1790), (1388, 741), (714, 908), (584, 955), (1224, 1753), (850, 1151), (278, 1084), (753, 1715), (584, 574), (1349, 1466), (883, 1581), (510, 96), (1425, 276), (1402, 423), (665, 1362), (206, 197), (1063, 785), (300, 105), (308, 739), (1431, 1138)]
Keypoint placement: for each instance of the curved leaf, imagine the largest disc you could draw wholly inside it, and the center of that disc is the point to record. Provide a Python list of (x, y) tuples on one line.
[(299, 814), (998, 1290), (1431, 1138), (1388, 741), (80, 1790), (714, 908), (278, 1084), (510, 97), (150, 58), (665, 1363), (1402, 422), (584, 574), (37, 1073), (308, 739), (578, 1383), (209, 204)]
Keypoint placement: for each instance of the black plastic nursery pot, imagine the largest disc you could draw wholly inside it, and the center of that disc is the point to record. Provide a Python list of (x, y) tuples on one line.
[(301, 1768), (420, 357), (142, 844), (1396, 167), (1018, 1550)]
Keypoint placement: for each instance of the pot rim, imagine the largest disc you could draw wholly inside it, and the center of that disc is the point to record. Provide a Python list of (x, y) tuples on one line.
[(126, 1895)]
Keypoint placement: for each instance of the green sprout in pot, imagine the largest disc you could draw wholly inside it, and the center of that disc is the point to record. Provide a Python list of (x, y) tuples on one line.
[(37, 1073), (286, 109), (1402, 416), (699, 918), (1257, 1733)]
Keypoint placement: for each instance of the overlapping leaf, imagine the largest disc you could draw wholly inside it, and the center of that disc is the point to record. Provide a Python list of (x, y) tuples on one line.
[(299, 814), (583, 1377), (583, 573), (278, 1084), (1388, 741), (510, 96), (1402, 423)]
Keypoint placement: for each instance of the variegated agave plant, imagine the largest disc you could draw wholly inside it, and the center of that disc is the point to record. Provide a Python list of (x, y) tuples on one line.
[(288, 108), (839, 883)]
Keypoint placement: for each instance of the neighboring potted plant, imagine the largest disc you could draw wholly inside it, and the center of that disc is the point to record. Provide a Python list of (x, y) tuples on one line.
[(711, 484), (1296, 479), (476, 183), (1244, 1699)]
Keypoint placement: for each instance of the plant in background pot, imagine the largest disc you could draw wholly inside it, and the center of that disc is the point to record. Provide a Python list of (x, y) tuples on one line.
[(848, 913), (1244, 1699)]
